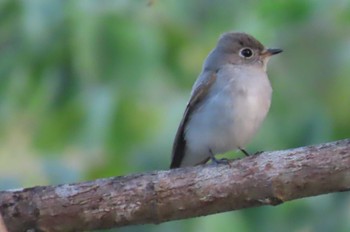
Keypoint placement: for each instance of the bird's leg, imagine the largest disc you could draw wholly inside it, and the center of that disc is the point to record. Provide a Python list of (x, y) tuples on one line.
[(215, 160), (247, 153), (244, 151)]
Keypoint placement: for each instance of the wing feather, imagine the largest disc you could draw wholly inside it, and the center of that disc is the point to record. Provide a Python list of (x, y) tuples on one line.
[(198, 95)]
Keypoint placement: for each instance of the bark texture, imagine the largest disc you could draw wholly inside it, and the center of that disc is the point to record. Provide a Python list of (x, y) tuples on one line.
[(266, 179)]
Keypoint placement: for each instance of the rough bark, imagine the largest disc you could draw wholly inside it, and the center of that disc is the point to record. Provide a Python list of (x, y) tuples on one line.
[(2, 225), (266, 179)]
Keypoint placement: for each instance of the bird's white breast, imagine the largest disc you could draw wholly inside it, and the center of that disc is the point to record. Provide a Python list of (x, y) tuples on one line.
[(230, 115)]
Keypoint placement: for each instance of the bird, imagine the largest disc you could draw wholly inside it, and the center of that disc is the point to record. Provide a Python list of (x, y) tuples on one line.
[(228, 103)]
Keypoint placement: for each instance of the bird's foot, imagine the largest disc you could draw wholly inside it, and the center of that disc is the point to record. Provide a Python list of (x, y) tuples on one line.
[(247, 153), (217, 161), (258, 152)]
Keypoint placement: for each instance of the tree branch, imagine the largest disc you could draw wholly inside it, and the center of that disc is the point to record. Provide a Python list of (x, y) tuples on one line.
[(266, 179), (2, 225)]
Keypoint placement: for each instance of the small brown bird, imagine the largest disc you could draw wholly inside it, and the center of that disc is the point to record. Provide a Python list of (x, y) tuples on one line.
[(228, 103)]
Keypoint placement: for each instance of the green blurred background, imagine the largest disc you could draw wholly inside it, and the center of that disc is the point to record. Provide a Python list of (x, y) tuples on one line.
[(92, 89)]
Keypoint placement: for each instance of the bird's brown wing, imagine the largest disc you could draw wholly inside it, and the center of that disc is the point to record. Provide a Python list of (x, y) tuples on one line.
[(198, 95)]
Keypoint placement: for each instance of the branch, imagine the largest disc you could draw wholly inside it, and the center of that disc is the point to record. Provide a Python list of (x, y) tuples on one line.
[(2, 225), (266, 179)]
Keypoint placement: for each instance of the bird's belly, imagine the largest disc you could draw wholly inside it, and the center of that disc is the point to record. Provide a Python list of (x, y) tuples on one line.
[(225, 123)]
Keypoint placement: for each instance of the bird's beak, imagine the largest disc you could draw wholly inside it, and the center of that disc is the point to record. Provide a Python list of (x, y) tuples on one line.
[(267, 53), (271, 52)]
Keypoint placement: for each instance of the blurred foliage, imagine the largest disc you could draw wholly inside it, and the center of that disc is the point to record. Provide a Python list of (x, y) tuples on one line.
[(92, 89)]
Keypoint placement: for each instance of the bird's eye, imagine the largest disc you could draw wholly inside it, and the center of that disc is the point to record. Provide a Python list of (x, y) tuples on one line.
[(246, 53)]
